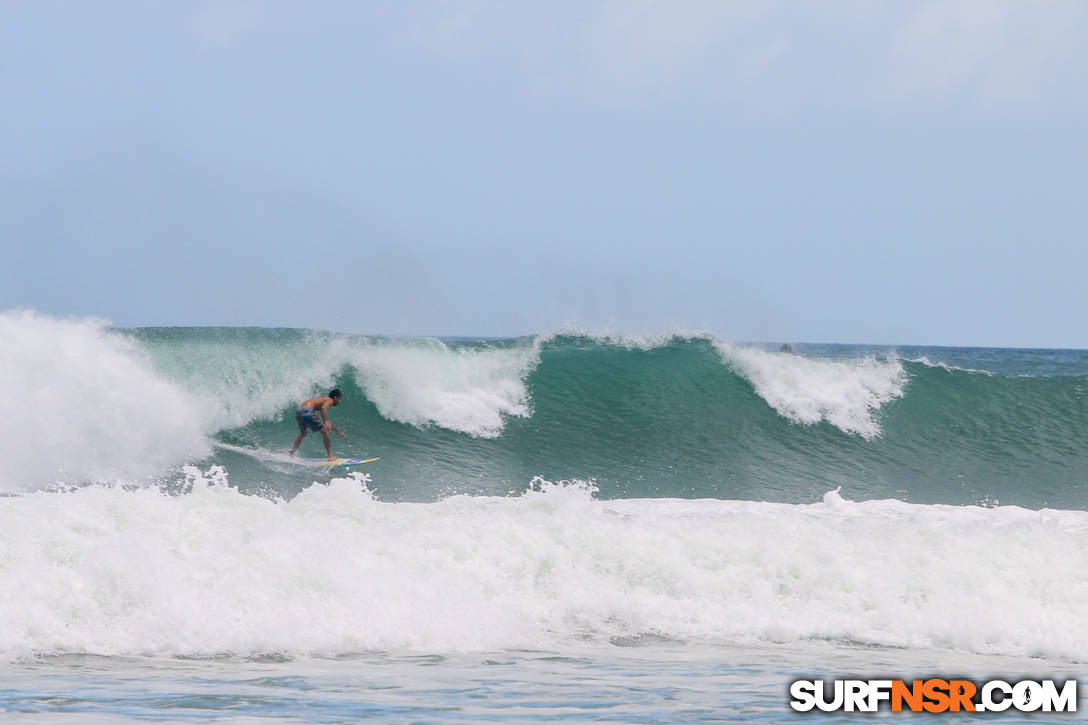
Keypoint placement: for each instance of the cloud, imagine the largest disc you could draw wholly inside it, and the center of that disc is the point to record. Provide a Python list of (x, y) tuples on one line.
[(644, 46), (220, 24), (868, 54), (998, 52)]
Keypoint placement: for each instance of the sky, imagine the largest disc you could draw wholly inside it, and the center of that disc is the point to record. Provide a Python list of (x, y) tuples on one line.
[(852, 171)]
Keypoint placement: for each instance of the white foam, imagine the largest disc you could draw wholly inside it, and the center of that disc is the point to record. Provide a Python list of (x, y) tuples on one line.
[(112, 571), (924, 360), (845, 393), (467, 389), (632, 340), (84, 403)]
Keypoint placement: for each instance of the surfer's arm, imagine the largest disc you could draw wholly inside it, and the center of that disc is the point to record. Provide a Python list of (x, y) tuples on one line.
[(328, 423)]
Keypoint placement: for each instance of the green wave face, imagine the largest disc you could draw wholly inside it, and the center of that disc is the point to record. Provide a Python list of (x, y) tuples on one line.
[(683, 417)]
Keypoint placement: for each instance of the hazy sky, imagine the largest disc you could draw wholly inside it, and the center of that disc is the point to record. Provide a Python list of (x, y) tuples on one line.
[(850, 171)]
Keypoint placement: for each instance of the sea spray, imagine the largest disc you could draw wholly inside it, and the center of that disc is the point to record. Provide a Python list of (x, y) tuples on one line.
[(470, 389), (846, 393), (85, 404), (248, 374), (239, 375)]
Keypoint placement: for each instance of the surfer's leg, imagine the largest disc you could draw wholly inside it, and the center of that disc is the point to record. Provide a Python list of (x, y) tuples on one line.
[(298, 442), (302, 431), (300, 421), (328, 446)]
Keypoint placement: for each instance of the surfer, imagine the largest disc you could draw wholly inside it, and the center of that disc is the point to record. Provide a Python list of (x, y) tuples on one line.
[(313, 414)]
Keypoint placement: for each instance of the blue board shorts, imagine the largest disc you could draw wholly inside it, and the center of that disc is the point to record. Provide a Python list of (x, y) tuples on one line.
[(308, 420)]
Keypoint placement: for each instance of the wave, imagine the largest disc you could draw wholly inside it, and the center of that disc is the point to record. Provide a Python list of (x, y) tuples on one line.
[(848, 394), (245, 375), (475, 387), (212, 571), (674, 415), (91, 405), (119, 405), (472, 389)]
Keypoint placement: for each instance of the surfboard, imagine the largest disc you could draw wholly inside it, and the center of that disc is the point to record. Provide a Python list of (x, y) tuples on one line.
[(280, 457), (323, 463)]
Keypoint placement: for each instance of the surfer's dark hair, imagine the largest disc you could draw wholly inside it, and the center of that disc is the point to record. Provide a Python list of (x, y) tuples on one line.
[(335, 393)]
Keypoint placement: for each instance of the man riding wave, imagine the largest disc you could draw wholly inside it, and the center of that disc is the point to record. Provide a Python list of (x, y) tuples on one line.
[(313, 414)]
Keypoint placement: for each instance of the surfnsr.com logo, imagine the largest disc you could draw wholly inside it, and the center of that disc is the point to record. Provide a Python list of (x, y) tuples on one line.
[(933, 695)]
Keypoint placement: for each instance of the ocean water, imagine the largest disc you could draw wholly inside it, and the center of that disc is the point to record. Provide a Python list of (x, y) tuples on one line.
[(562, 527)]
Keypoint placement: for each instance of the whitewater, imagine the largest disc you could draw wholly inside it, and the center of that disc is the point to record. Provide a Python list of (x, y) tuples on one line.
[(679, 524)]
